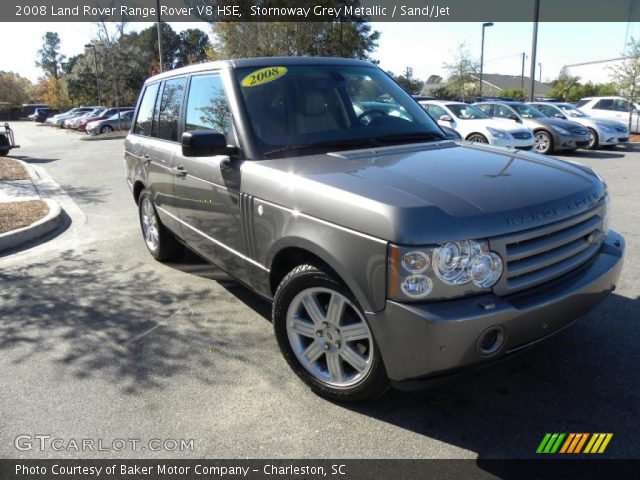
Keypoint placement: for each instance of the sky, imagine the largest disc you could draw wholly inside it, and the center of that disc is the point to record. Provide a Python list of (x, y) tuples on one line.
[(424, 46)]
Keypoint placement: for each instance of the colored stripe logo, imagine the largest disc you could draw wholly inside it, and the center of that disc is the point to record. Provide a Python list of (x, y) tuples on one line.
[(574, 443)]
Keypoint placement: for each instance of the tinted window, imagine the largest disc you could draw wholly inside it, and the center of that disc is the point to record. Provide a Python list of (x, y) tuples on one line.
[(207, 106), (170, 109), (501, 111), (548, 110), (485, 108), (145, 113), (582, 103), (606, 104), (621, 105), (436, 111), (467, 112)]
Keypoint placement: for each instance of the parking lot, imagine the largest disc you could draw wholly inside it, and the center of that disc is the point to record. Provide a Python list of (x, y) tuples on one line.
[(99, 341)]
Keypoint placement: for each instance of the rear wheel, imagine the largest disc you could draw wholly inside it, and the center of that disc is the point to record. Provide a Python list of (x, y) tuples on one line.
[(593, 139), (325, 338), (159, 241), (477, 138), (544, 142), (106, 129)]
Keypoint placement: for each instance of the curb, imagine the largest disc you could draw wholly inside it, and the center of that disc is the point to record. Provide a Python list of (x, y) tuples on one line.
[(50, 222), (53, 220)]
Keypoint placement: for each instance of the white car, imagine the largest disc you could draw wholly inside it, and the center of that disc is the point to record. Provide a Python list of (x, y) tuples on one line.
[(613, 108), (476, 126)]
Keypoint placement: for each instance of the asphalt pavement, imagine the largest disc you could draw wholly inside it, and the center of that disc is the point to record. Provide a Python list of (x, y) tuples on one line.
[(100, 342)]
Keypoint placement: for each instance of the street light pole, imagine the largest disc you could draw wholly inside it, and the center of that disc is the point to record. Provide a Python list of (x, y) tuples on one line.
[(522, 74), (484, 25), (95, 63), (159, 34), (534, 45), (540, 71)]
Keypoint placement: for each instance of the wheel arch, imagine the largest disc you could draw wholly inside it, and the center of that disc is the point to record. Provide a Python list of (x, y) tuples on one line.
[(138, 186)]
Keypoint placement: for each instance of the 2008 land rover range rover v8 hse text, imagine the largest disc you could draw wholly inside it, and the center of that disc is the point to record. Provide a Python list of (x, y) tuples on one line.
[(391, 254)]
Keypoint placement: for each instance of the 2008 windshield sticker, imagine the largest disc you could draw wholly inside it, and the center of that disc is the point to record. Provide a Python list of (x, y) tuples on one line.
[(262, 76)]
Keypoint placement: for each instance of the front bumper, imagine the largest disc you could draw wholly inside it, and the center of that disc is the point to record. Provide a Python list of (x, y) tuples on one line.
[(421, 341), (525, 144), (569, 142)]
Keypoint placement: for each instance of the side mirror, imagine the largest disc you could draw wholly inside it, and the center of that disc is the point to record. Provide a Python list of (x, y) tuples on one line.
[(205, 143), (451, 133), (513, 117), (445, 118), (559, 115)]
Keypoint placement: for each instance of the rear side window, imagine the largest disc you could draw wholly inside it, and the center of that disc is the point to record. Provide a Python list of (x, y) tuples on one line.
[(606, 104), (170, 106), (582, 103), (145, 112), (207, 106), (547, 110)]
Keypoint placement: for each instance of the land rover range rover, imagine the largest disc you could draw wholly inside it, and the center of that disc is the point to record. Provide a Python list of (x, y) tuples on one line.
[(391, 254)]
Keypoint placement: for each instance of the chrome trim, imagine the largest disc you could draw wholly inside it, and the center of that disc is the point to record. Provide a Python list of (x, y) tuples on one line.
[(217, 242)]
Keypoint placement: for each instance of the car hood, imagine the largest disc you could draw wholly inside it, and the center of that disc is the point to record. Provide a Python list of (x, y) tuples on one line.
[(501, 124), (558, 122), (591, 120), (417, 194)]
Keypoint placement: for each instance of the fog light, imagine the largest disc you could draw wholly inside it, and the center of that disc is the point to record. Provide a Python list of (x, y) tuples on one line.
[(416, 286), (491, 340), (486, 269)]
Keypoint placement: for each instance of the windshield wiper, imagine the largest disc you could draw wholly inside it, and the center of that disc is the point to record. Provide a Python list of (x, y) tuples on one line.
[(356, 142), (411, 137)]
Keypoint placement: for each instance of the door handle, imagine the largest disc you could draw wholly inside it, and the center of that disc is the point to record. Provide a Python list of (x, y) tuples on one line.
[(146, 159), (180, 171)]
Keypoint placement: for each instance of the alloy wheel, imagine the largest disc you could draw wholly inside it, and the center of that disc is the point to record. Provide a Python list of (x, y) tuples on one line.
[(150, 228), (330, 337), (543, 142)]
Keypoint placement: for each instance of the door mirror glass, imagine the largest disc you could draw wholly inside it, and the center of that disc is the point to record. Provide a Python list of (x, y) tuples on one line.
[(205, 143), (445, 118)]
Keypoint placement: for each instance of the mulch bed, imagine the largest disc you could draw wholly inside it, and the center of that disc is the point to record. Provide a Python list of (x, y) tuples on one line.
[(15, 215), (12, 170)]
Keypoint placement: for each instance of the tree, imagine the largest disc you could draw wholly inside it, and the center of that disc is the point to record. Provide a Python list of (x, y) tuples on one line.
[(50, 59), (434, 79), (626, 76), (408, 81), (53, 92), (514, 93), (194, 47), (460, 71), (14, 89), (565, 85)]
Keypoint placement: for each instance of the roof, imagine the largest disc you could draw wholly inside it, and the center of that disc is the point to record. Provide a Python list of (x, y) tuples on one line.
[(513, 82), (260, 62)]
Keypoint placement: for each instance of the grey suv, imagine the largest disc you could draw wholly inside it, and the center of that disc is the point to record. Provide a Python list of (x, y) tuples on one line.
[(391, 253), (551, 134)]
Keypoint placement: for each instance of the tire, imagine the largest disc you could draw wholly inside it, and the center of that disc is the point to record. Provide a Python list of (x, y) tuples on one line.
[(4, 153), (4, 146), (477, 138), (106, 129), (159, 240), (593, 139), (340, 369), (544, 142)]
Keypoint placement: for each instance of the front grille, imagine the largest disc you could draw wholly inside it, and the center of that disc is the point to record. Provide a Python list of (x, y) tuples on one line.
[(541, 254), (521, 135), (579, 131)]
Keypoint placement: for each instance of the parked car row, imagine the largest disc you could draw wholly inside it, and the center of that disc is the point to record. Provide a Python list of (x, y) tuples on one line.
[(92, 120), (544, 126)]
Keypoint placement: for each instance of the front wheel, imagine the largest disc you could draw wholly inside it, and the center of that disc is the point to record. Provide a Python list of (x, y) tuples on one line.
[(325, 338), (477, 138), (593, 139), (106, 129), (544, 142)]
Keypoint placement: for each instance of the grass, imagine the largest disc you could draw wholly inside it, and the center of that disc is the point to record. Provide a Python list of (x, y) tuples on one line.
[(12, 170), (14, 215)]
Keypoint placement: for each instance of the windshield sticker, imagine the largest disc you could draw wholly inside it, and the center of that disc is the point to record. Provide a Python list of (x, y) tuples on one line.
[(262, 76)]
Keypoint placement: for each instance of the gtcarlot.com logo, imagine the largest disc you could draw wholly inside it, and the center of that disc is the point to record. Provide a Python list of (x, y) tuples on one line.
[(574, 443), (26, 442)]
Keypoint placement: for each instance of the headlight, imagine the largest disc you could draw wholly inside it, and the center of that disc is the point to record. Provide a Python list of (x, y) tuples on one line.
[(560, 130), (447, 270), (605, 128), (498, 133)]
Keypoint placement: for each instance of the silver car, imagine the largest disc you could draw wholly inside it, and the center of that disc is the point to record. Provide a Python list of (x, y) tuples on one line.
[(391, 254), (111, 124), (603, 132), (551, 134)]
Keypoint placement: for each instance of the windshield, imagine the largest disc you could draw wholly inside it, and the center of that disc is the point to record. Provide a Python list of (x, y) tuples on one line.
[(467, 112), (571, 111), (306, 109), (527, 111)]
